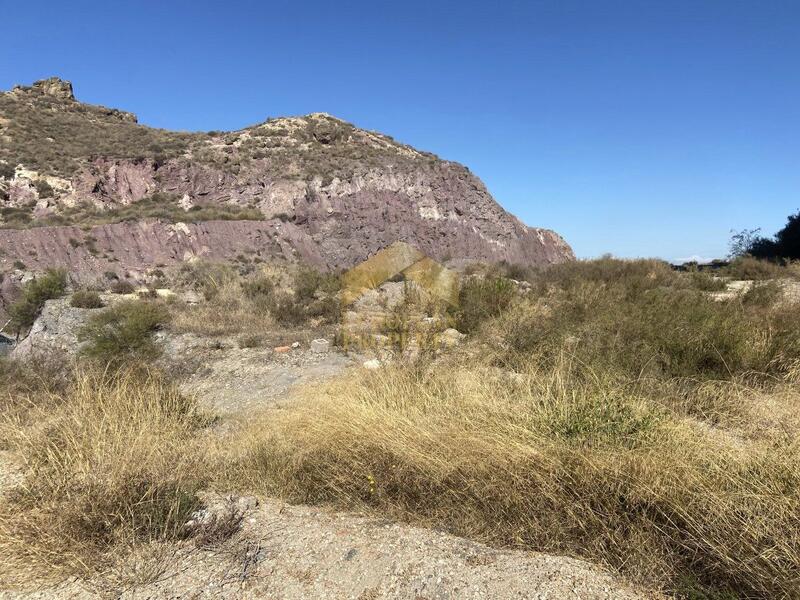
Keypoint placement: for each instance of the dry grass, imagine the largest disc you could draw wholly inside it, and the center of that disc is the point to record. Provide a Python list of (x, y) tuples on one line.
[(110, 462), (747, 267), (616, 414), (555, 461), (227, 309), (255, 303)]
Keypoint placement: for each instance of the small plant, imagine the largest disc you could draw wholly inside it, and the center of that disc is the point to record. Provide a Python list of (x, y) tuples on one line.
[(762, 293), (43, 188), (481, 299), (123, 332), (7, 171), (86, 299), (35, 293), (287, 311), (18, 264), (122, 286), (251, 341)]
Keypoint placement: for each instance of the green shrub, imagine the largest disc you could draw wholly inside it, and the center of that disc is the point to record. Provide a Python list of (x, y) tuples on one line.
[(329, 309), (35, 293), (308, 282), (287, 311), (261, 292), (123, 332), (481, 299), (665, 331), (43, 188), (122, 286), (86, 299)]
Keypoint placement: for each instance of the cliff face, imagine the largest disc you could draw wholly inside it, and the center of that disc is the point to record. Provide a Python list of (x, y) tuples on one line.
[(326, 192)]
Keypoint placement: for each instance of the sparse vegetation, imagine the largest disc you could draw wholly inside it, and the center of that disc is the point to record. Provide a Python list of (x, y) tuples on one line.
[(238, 304), (481, 298), (159, 206), (630, 422), (614, 411), (78, 131), (52, 284), (86, 299), (123, 332)]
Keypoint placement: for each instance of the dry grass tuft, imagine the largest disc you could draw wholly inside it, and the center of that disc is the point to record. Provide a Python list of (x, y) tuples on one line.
[(114, 461)]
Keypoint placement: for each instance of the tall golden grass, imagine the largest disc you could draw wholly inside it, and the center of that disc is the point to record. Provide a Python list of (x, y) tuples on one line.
[(109, 462), (582, 465)]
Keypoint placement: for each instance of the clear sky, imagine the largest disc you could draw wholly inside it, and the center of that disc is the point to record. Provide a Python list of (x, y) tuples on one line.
[(640, 128)]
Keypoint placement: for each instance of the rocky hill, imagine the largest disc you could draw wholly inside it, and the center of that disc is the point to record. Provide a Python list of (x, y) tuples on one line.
[(88, 187)]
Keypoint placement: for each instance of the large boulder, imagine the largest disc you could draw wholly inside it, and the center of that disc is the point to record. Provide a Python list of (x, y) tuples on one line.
[(400, 261), (55, 331)]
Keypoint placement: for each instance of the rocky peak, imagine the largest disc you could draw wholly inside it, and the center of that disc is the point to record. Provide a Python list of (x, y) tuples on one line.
[(52, 86)]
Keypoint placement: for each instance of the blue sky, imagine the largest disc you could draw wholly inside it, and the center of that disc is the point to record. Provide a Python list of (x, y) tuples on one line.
[(640, 128)]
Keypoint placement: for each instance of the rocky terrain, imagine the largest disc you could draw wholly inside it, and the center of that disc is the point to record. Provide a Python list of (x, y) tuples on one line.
[(321, 190)]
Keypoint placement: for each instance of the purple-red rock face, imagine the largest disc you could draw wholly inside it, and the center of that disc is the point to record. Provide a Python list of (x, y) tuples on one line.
[(330, 194)]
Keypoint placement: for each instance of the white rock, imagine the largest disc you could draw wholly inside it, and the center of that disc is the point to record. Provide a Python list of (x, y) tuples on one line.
[(452, 337), (373, 364), (295, 345), (320, 345)]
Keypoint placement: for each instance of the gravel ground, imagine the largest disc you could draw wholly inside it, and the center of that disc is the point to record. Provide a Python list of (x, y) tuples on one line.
[(229, 380)]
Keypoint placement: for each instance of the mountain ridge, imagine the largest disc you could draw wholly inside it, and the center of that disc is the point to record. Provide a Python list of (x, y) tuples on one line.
[(346, 191)]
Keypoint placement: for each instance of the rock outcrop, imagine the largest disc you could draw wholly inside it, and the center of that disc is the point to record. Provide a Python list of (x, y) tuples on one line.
[(52, 86)]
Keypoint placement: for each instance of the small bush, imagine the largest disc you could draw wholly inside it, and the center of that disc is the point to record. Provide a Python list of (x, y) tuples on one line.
[(122, 286), (287, 311), (35, 293), (762, 293), (747, 267), (123, 332), (86, 299), (261, 292), (308, 282), (481, 299), (329, 309), (43, 188)]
